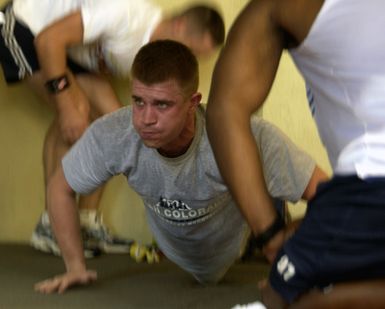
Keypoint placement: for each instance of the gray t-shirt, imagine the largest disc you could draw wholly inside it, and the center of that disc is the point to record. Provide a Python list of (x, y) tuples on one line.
[(189, 209)]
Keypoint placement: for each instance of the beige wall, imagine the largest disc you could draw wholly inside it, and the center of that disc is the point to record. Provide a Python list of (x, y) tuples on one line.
[(24, 120), (287, 108)]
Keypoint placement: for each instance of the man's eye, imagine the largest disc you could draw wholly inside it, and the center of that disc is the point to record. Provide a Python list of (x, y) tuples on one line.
[(162, 105), (138, 102)]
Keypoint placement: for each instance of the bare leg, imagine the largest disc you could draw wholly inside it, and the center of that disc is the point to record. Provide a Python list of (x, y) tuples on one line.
[(54, 150), (103, 100), (360, 294), (270, 298)]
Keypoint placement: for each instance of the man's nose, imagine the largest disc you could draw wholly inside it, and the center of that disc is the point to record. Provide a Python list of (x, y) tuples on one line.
[(149, 116)]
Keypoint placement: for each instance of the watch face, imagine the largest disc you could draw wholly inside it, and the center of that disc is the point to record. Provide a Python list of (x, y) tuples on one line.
[(61, 83), (57, 85)]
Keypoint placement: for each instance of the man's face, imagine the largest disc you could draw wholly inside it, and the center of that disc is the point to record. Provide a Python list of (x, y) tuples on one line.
[(162, 113), (201, 45)]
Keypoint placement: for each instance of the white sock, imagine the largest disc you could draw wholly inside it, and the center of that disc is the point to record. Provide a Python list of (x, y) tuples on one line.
[(255, 305)]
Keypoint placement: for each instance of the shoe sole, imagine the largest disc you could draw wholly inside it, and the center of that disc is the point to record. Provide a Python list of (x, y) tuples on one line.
[(47, 245), (44, 244), (114, 249)]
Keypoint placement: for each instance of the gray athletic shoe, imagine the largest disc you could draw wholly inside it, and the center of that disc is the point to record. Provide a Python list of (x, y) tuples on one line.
[(96, 234), (44, 240)]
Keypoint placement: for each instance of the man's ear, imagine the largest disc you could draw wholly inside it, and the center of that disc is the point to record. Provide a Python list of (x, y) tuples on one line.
[(195, 99)]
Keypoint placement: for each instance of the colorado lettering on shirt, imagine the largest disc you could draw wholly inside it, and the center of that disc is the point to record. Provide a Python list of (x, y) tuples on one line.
[(178, 212)]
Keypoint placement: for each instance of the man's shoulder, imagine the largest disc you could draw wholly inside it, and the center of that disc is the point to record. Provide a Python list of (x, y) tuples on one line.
[(114, 121)]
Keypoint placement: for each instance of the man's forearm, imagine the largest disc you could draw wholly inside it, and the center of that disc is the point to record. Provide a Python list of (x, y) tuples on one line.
[(242, 173), (241, 82), (52, 42), (64, 219)]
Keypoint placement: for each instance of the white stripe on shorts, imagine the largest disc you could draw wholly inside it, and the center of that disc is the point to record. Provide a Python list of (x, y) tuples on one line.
[(2, 18), (13, 46)]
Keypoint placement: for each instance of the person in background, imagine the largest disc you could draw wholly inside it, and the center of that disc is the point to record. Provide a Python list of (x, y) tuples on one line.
[(66, 50)]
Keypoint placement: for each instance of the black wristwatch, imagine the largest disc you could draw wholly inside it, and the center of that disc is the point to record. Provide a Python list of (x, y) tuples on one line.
[(58, 84), (263, 238)]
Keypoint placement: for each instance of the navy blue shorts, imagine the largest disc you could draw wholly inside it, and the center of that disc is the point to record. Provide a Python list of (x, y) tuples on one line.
[(17, 52), (342, 238)]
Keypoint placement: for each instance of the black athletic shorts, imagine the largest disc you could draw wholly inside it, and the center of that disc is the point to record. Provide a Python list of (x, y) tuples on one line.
[(342, 238), (17, 52)]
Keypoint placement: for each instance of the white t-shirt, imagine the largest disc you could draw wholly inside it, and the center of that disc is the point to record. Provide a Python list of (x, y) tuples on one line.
[(342, 61), (116, 29)]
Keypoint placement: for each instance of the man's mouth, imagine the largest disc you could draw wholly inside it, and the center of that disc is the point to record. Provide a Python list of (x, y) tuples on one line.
[(148, 134)]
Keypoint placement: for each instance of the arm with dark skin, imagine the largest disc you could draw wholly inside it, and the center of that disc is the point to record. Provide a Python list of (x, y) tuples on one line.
[(241, 82), (51, 45), (231, 103)]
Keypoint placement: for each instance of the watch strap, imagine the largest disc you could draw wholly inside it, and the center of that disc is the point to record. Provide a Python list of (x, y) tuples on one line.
[(58, 84)]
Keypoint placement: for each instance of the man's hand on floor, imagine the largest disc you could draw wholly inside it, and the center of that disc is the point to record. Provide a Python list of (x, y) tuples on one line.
[(62, 282)]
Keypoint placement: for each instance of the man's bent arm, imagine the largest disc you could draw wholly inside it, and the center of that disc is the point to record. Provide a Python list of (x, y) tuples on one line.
[(242, 79), (51, 46), (52, 43)]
